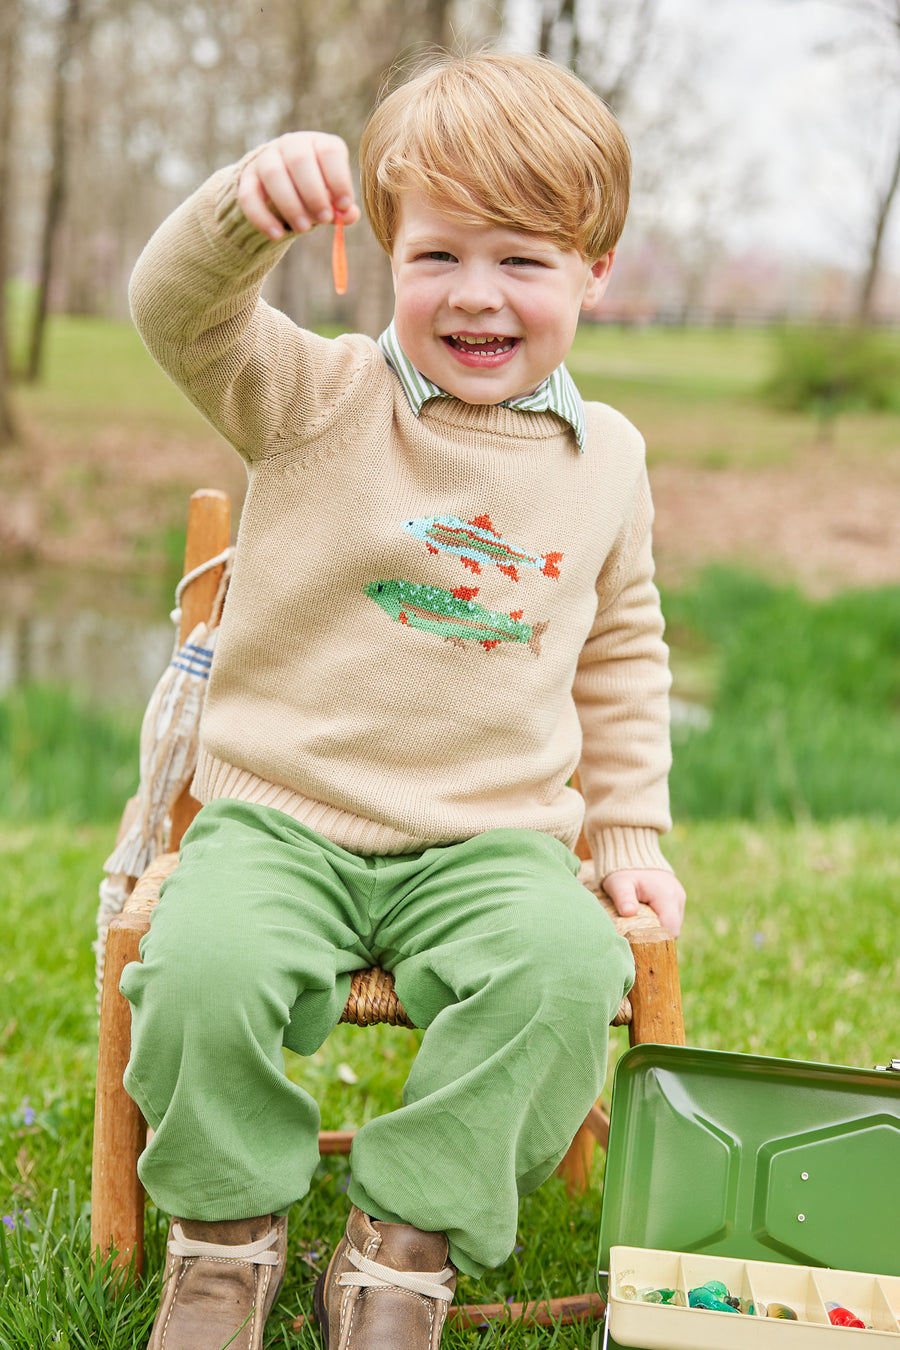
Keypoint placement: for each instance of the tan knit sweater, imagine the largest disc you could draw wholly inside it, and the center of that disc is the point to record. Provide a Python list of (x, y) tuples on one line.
[(427, 614)]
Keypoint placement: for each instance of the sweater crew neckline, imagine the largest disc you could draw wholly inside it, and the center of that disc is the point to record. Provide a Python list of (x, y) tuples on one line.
[(557, 394)]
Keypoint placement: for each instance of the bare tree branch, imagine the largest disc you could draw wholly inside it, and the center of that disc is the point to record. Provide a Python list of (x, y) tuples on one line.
[(69, 33), (9, 31), (865, 304)]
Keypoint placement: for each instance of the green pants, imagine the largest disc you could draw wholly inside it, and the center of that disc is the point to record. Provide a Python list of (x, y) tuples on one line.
[(508, 962)]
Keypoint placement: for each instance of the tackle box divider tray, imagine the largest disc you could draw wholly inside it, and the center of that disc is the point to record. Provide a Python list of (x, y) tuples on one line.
[(874, 1299)]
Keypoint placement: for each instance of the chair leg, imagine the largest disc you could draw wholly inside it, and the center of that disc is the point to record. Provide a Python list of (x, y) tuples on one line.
[(117, 1197), (656, 1014), (575, 1168)]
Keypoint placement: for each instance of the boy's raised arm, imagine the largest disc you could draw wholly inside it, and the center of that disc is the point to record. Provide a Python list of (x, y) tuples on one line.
[(195, 294), (300, 180)]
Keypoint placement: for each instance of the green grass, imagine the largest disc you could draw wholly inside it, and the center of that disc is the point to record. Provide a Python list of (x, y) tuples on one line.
[(59, 756), (697, 362), (700, 397), (54, 1295), (793, 907), (697, 394), (95, 371), (805, 701)]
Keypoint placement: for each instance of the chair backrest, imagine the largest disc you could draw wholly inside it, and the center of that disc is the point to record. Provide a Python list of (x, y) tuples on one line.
[(208, 535)]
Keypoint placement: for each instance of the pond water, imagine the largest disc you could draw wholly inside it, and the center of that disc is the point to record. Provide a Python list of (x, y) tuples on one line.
[(94, 634)]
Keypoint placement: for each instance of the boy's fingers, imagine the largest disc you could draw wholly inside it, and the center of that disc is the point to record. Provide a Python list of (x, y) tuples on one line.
[(300, 180), (623, 893), (661, 890), (319, 167), (271, 192), (254, 202)]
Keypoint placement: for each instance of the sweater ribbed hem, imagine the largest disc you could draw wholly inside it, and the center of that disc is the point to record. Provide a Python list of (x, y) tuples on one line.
[(613, 848), (215, 779)]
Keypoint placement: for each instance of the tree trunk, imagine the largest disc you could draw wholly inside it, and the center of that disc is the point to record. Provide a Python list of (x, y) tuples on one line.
[(9, 26), (56, 187), (866, 301)]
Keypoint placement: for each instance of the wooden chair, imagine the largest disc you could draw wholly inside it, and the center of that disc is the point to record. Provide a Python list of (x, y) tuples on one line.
[(652, 1011)]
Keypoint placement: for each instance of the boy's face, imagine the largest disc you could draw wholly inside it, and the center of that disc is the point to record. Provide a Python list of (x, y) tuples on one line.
[(483, 311)]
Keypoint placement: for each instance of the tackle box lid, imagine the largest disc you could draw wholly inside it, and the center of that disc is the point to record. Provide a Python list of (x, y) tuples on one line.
[(741, 1156)]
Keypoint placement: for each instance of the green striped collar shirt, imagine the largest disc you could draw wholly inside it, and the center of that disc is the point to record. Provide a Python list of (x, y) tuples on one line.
[(558, 393)]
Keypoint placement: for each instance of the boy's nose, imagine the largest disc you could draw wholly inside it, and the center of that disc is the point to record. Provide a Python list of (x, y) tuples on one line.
[(475, 290)]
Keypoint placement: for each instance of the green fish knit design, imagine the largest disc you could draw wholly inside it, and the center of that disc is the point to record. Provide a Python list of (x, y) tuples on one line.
[(453, 615)]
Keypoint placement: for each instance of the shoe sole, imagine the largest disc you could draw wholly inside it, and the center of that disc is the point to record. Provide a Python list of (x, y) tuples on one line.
[(319, 1309)]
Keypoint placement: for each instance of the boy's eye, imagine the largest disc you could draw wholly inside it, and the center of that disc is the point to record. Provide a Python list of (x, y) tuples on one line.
[(435, 255), (523, 262)]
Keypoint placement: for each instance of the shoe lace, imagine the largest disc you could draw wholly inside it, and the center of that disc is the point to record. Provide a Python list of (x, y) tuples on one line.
[(257, 1253), (373, 1275)]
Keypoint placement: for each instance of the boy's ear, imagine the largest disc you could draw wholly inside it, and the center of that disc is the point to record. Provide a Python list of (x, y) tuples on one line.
[(598, 279)]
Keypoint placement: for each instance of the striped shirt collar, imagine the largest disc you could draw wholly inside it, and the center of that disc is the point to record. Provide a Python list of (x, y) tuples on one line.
[(558, 393)]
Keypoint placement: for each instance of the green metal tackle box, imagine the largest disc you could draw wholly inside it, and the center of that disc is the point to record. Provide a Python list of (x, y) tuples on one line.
[(777, 1177)]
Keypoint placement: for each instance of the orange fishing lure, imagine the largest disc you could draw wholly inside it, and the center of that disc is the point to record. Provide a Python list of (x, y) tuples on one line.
[(339, 259)]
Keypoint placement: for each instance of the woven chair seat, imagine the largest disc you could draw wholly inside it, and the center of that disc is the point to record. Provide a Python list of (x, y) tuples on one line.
[(373, 999)]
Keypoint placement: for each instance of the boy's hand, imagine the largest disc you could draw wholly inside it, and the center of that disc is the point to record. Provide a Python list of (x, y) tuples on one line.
[(662, 891), (300, 180)]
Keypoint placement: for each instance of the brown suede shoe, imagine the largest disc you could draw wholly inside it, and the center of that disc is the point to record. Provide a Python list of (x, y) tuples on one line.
[(388, 1287), (221, 1280)]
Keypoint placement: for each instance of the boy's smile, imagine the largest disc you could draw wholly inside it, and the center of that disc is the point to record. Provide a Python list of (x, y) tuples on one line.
[(484, 311)]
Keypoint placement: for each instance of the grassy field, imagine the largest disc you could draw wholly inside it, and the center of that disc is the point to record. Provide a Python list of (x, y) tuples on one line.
[(803, 696), (788, 834)]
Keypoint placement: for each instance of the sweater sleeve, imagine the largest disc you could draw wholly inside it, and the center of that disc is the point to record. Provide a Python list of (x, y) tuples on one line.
[(621, 691), (195, 299)]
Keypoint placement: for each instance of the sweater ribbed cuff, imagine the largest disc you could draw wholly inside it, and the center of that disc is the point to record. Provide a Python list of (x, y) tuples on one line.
[(625, 846)]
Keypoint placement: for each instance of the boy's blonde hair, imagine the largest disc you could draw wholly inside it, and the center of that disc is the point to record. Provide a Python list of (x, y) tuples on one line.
[(503, 139)]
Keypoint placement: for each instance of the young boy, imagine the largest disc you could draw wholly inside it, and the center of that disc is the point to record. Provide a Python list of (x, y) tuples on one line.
[(442, 602)]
